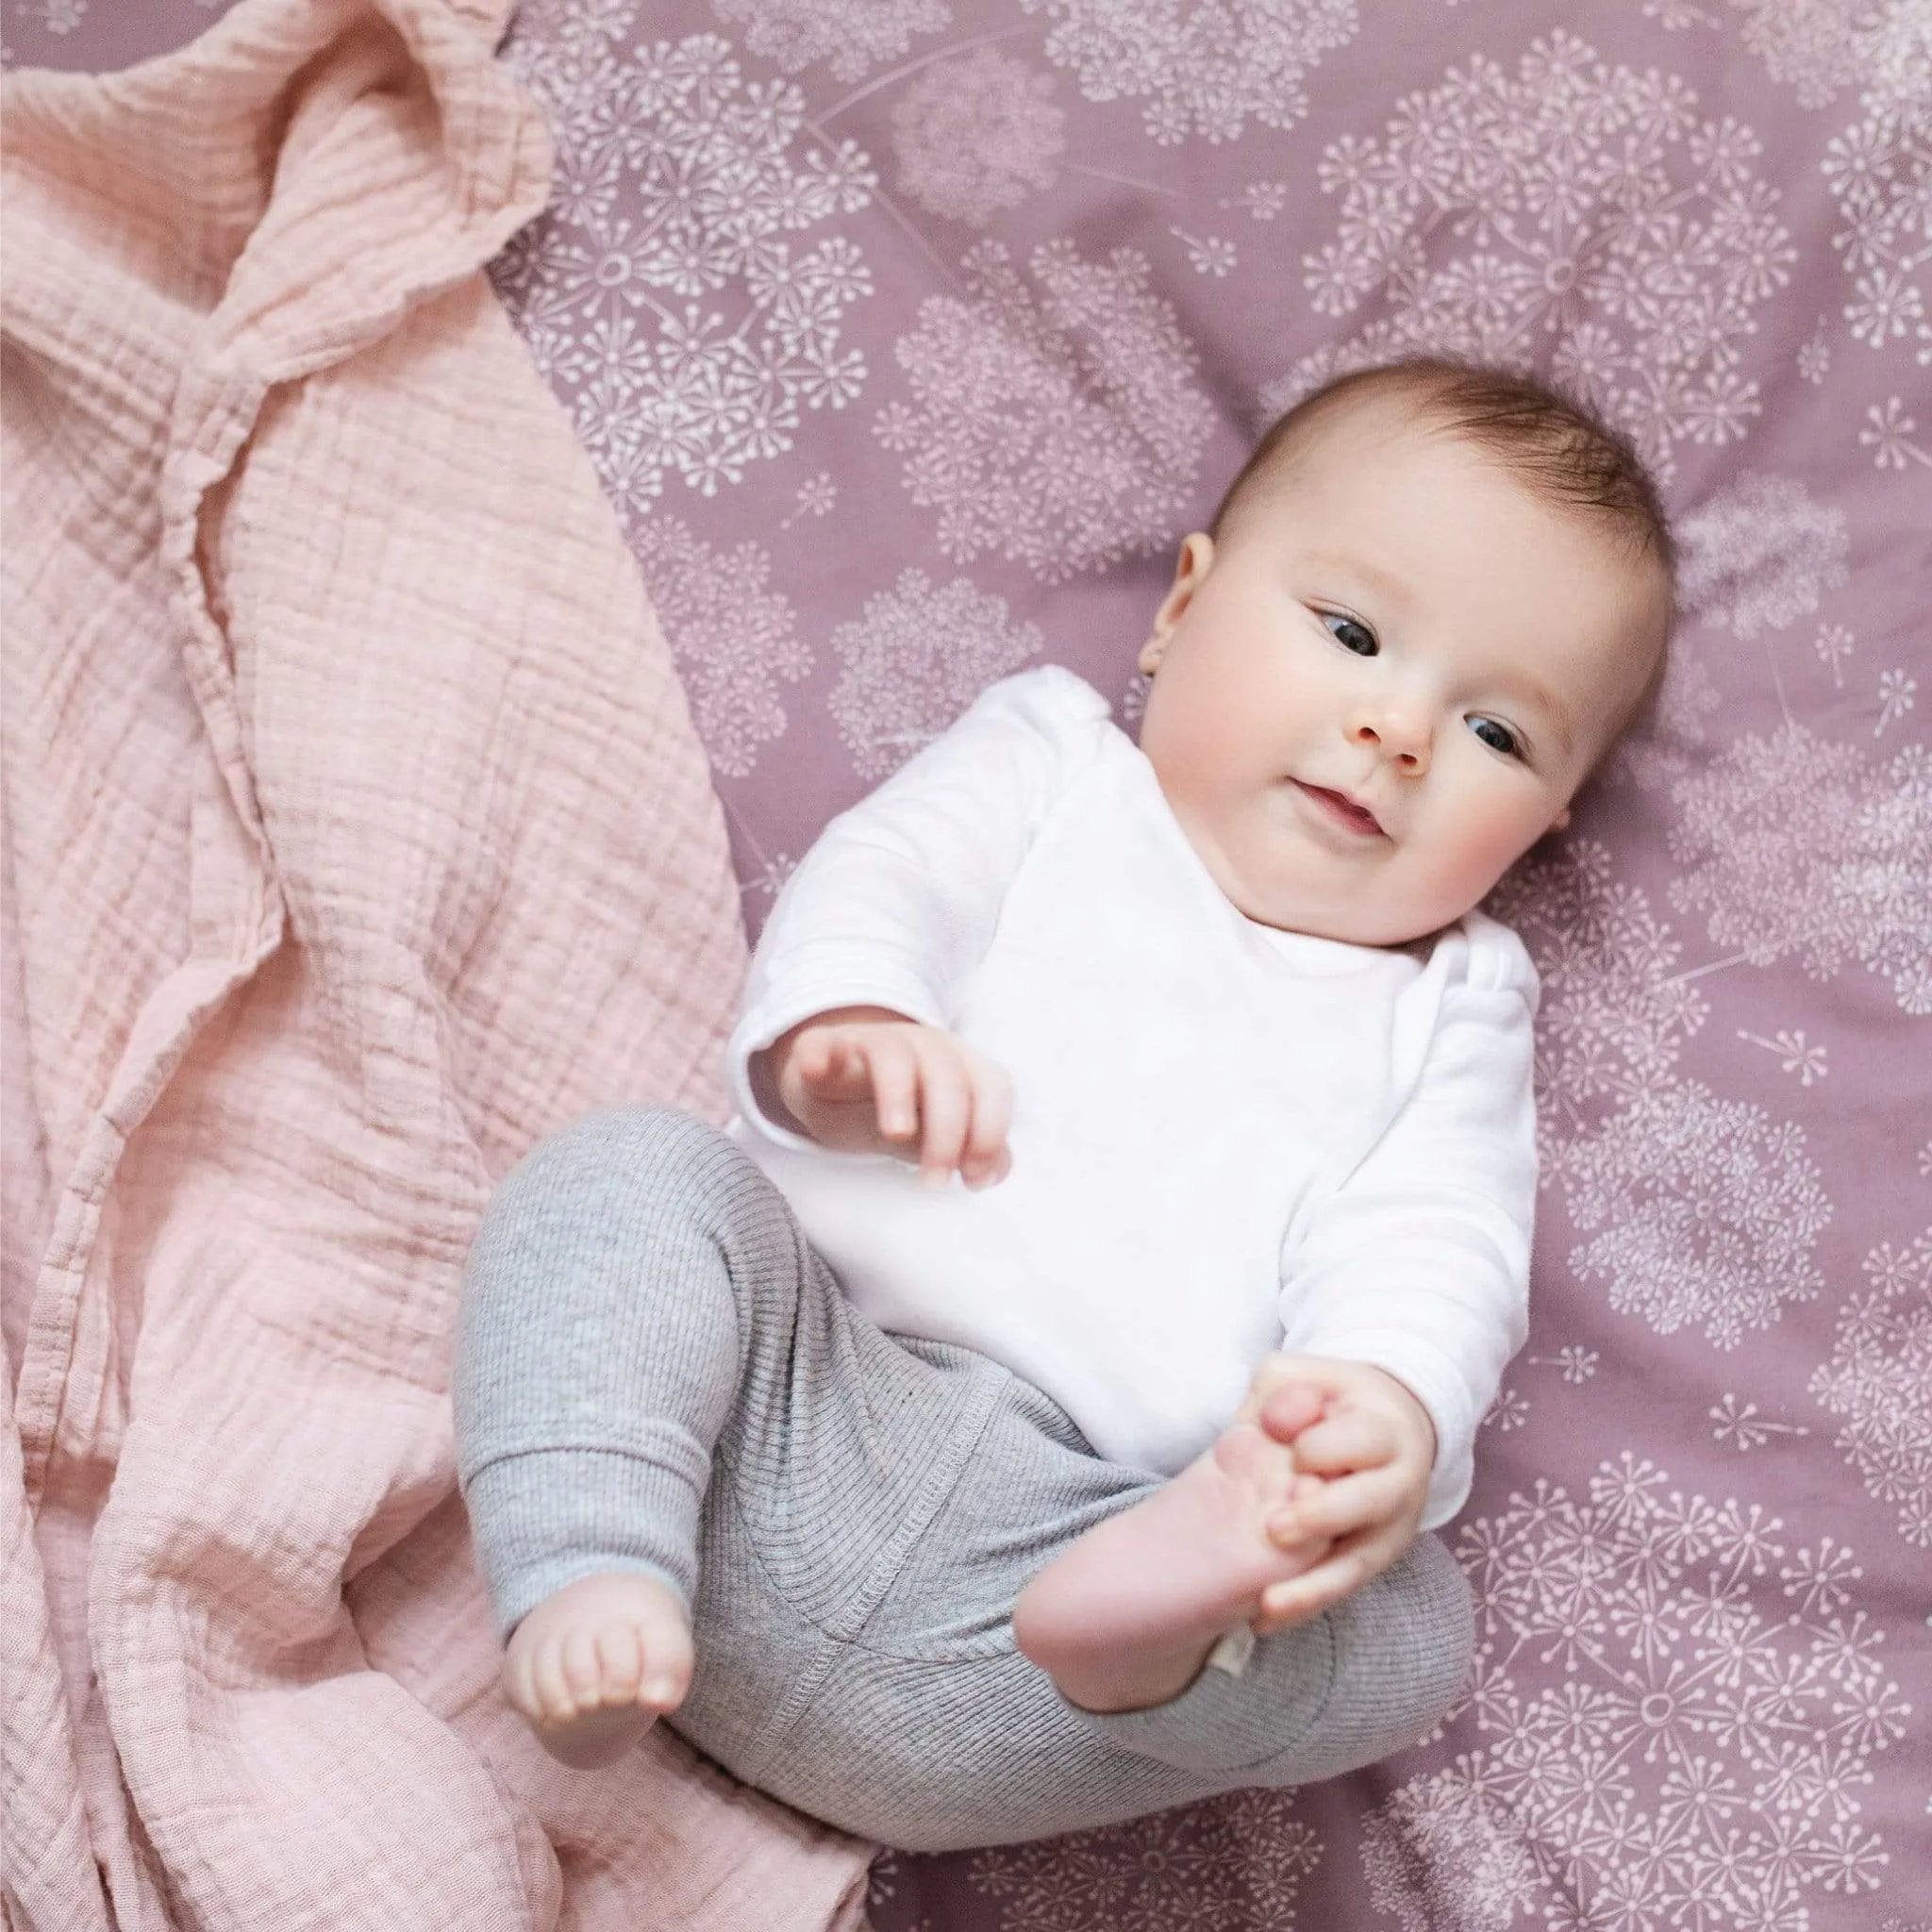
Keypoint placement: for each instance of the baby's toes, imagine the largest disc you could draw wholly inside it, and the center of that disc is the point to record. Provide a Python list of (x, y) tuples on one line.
[(666, 1671), (583, 1675), (549, 1687), (1261, 1467), (621, 1662)]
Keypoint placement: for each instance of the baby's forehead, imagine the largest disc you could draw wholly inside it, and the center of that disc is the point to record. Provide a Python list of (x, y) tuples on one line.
[(1392, 436), (1378, 431)]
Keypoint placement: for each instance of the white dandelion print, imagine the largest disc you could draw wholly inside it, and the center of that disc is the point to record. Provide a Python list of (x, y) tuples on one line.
[(914, 662), (1572, 216), (978, 136), (1055, 419)]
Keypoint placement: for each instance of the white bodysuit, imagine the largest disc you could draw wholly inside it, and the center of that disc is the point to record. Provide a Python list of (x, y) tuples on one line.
[(1227, 1138)]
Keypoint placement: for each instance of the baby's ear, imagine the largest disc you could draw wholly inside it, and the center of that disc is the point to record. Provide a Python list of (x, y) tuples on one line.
[(1560, 823), (1197, 554)]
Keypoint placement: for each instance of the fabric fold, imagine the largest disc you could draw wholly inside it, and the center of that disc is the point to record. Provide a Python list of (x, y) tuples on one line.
[(357, 835)]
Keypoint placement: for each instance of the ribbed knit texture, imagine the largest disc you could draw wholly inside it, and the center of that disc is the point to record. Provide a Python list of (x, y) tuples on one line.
[(656, 1372)]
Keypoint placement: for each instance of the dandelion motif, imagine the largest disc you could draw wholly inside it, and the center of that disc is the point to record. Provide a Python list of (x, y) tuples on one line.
[(1713, 1711), (1759, 555), (1236, 1861), (1834, 646), (977, 135), (733, 639), (767, 879), (1886, 306), (850, 36), (1815, 46), (1263, 200), (1878, 1383), (1572, 216), (1615, 1009), (1511, 1410), (1576, 1364), (1202, 67), (1053, 421), (1848, 878), (914, 660), (60, 17), (1888, 434), (1663, 747), (691, 336), (1814, 355), (815, 497), (1896, 691), (1879, 168), (1794, 1056), (1816, 1579), (1208, 256), (1744, 1430), (1695, 1210)]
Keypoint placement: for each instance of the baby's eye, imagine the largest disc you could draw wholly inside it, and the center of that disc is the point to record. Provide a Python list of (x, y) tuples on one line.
[(1497, 737), (1351, 634)]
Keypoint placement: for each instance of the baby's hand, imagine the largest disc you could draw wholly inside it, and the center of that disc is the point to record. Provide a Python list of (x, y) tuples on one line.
[(865, 1080), (1370, 1446)]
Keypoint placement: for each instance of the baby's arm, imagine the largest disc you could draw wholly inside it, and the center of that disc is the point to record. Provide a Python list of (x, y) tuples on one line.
[(882, 927), (1405, 1293), (867, 1081)]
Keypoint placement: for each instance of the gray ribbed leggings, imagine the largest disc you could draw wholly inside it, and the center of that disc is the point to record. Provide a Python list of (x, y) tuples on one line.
[(656, 1372)]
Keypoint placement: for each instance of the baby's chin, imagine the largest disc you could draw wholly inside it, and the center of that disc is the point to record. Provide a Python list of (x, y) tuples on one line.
[(1355, 918), (1356, 905), (1360, 922)]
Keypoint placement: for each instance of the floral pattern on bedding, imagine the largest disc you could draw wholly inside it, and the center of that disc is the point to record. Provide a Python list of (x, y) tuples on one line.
[(908, 338)]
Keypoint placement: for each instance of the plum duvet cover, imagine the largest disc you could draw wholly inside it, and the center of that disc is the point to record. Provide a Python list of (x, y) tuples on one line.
[(908, 336)]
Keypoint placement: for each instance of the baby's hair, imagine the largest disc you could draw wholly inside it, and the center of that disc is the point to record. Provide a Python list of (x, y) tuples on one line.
[(1556, 447)]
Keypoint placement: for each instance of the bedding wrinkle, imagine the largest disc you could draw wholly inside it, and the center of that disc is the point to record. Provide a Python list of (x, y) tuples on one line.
[(354, 835)]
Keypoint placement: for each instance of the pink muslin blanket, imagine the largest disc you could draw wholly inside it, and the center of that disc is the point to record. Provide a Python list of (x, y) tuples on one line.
[(355, 834)]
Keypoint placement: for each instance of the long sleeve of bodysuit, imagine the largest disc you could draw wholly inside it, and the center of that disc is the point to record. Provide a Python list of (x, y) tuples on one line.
[(1419, 1262), (897, 901)]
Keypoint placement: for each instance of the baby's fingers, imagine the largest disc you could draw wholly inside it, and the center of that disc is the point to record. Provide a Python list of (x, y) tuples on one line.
[(986, 1160), (945, 1111), (1344, 1440), (1342, 1507), (892, 1066), (831, 1064), (1339, 1574), (1303, 1598)]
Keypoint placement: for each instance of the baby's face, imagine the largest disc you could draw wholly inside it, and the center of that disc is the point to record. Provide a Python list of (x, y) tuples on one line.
[(1388, 679)]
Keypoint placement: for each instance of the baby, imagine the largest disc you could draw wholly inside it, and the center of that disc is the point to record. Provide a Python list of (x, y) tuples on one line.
[(1034, 1402)]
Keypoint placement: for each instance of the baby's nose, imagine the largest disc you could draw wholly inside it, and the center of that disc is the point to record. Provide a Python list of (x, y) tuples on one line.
[(1406, 743)]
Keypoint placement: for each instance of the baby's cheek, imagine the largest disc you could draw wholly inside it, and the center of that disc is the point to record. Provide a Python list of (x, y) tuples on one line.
[(1484, 840)]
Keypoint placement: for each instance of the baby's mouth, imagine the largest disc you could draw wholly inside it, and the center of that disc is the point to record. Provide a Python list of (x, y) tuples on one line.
[(1342, 809)]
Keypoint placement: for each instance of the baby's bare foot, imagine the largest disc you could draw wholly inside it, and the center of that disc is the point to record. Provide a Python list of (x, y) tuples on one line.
[(593, 1667), (1125, 1619)]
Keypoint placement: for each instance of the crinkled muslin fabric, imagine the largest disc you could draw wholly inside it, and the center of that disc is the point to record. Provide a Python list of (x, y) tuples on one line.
[(357, 834), (908, 337)]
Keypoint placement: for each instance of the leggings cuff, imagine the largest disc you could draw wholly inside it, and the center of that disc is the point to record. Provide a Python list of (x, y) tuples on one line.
[(547, 1517)]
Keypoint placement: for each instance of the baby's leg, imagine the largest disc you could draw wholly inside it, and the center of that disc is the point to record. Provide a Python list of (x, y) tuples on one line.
[(597, 1359), (856, 1648), (1127, 1616)]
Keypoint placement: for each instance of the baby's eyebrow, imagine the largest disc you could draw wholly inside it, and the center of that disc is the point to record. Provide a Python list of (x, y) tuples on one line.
[(1384, 585), (1541, 695)]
